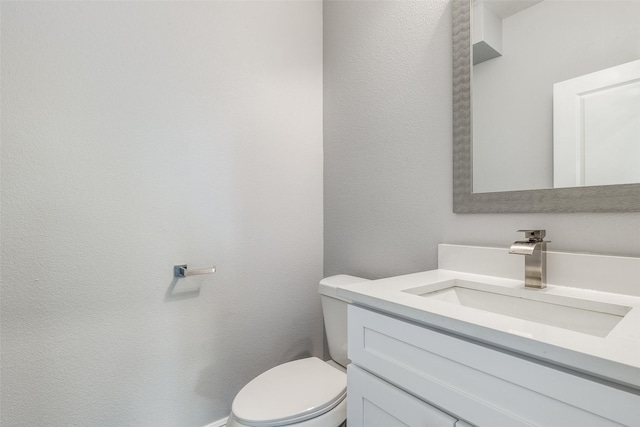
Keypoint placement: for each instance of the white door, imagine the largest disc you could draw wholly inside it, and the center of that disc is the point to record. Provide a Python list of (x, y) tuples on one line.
[(596, 129)]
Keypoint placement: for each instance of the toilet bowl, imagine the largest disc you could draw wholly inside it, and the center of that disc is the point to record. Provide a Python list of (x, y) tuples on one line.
[(307, 392)]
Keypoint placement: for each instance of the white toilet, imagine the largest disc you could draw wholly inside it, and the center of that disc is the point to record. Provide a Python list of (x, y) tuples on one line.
[(306, 392)]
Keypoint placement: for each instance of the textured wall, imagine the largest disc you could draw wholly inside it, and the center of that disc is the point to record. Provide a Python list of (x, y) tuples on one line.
[(387, 150), (136, 136)]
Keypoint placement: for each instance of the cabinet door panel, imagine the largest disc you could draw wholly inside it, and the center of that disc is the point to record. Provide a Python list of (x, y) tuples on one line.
[(480, 384), (373, 402)]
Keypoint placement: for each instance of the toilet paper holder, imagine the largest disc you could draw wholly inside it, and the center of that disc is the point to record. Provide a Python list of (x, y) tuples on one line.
[(182, 271)]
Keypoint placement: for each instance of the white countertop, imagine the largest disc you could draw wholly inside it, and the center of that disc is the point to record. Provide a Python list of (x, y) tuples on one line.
[(615, 357)]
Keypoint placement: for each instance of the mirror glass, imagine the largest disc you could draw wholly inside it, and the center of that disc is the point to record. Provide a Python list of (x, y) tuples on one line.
[(556, 94)]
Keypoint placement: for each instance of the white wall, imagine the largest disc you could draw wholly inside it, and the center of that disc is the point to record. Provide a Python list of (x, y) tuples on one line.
[(388, 174), (136, 136), (551, 42)]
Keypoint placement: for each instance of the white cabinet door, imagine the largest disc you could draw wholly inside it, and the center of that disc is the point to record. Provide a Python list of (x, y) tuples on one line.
[(373, 402)]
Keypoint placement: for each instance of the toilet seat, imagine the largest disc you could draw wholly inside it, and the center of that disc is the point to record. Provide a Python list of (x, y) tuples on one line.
[(290, 393)]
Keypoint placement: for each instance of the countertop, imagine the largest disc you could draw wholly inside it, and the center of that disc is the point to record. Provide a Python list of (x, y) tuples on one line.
[(615, 357)]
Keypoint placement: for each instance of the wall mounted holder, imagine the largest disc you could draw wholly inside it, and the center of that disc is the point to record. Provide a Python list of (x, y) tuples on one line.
[(182, 271)]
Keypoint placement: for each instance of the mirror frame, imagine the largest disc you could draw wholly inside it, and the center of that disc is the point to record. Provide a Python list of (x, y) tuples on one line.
[(603, 198)]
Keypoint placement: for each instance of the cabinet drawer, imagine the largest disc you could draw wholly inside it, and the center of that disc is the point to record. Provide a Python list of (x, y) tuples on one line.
[(373, 402), (480, 384)]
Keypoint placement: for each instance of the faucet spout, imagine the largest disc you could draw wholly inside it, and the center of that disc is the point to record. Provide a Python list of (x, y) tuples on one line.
[(523, 247), (535, 260)]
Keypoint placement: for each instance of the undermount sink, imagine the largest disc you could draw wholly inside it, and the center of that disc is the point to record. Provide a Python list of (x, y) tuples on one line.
[(588, 317)]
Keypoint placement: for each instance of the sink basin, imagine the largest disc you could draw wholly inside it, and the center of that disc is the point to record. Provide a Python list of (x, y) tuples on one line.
[(584, 316), (587, 319)]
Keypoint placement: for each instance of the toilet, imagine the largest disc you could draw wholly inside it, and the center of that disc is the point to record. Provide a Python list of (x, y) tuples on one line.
[(307, 392)]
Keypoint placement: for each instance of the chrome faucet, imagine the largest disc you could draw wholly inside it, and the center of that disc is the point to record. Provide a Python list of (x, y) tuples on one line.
[(535, 260)]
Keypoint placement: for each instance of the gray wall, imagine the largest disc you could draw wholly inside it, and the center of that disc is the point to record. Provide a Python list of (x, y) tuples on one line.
[(136, 136), (387, 150)]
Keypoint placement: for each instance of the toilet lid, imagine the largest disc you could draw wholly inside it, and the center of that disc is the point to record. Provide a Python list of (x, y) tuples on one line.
[(290, 393)]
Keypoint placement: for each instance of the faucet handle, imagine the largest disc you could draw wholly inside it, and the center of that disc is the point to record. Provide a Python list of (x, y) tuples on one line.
[(534, 235)]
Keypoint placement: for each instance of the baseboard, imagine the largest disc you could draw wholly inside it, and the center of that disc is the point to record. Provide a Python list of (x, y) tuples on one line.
[(219, 423)]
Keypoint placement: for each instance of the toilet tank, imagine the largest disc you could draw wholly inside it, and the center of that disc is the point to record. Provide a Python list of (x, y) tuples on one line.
[(334, 310)]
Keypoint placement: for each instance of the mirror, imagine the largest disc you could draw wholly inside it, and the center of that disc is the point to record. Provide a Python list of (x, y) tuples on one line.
[(527, 185)]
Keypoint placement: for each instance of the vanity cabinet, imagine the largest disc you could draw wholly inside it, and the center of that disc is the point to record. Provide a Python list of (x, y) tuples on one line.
[(373, 402), (402, 372)]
